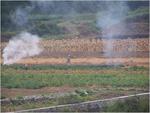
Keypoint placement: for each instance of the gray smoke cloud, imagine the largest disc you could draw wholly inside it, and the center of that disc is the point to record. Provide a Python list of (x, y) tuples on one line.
[(24, 44), (21, 46), (21, 16), (114, 14), (43, 6)]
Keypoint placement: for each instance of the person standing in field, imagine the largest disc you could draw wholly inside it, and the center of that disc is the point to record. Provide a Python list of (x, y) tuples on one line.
[(68, 59)]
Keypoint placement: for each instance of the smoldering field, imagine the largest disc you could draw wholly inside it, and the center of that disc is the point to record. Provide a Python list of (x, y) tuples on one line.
[(102, 64), (89, 75), (21, 46), (90, 51)]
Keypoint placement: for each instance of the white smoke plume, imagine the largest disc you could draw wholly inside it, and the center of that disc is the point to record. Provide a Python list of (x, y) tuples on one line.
[(114, 14), (21, 46)]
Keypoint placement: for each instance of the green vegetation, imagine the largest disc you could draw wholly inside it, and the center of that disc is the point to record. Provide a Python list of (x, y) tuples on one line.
[(60, 25), (61, 67), (68, 99), (139, 15), (12, 79), (117, 81), (131, 104), (138, 12), (136, 68), (37, 81)]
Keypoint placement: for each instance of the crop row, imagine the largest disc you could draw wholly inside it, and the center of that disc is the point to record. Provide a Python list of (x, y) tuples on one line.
[(92, 45)]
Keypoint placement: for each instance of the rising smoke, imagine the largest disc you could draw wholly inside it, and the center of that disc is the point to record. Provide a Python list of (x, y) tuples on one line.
[(24, 44), (114, 14), (20, 16), (21, 46)]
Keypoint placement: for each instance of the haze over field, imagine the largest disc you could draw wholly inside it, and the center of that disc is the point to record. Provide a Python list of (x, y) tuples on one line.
[(68, 52), (60, 20), (81, 19), (21, 46), (114, 14)]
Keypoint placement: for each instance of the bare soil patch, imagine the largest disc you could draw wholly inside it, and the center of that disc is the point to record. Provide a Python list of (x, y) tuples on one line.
[(94, 61), (14, 92)]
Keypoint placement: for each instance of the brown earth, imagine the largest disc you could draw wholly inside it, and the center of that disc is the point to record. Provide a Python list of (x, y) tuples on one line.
[(92, 47), (86, 61), (14, 92), (93, 61), (91, 51), (95, 47)]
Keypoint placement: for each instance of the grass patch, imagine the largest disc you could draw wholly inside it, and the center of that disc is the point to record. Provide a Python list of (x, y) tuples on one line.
[(58, 67), (34, 81), (138, 68), (68, 99), (131, 104), (11, 79), (124, 78)]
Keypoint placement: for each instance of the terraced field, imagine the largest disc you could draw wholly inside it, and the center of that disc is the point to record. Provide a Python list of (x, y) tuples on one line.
[(83, 82)]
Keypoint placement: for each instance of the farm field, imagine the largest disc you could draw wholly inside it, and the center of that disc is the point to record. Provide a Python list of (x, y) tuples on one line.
[(90, 47), (89, 75), (90, 51), (89, 82), (56, 53)]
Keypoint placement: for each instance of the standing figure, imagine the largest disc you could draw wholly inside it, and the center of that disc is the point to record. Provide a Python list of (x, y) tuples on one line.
[(68, 59), (25, 66)]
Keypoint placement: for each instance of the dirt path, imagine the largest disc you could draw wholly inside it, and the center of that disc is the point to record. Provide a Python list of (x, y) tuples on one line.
[(95, 61)]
